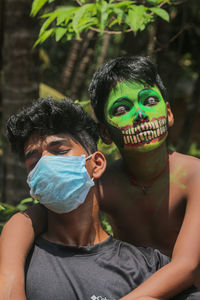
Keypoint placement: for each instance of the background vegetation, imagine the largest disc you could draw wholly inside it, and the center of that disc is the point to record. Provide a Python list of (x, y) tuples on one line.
[(72, 39)]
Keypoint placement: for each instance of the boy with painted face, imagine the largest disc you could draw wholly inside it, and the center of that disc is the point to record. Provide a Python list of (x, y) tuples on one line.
[(74, 258), (150, 195)]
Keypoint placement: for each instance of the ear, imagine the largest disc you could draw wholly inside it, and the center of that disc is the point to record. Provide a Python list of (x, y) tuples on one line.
[(169, 115), (99, 164), (104, 134)]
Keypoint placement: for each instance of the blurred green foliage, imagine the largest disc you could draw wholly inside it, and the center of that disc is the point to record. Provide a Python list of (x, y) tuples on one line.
[(105, 224), (194, 150)]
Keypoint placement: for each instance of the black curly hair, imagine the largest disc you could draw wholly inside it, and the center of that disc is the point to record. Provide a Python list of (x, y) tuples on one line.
[(130, 68), (47, 116)]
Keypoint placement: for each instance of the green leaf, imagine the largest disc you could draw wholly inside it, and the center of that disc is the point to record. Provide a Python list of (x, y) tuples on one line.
[(28, 201), (36, 6), (44, 36), (25, 203), (64, 14), (121, 16), (60, 31), (122, 4), (47, 23), (86, 25), (103, 15), (160, 12), (136, 17), (82, 14)]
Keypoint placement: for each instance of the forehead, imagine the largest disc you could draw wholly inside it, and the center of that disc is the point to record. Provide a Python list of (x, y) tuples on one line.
[(124, 87), (127, 88), (36, 141)]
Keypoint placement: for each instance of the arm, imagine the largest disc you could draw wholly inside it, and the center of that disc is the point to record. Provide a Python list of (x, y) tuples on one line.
[(182, 271), (16, 240)]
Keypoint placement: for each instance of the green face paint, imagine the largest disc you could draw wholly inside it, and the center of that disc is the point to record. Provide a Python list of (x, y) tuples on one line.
[(139, 114)]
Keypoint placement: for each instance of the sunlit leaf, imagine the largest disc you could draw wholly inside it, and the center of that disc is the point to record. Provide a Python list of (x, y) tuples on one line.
[(47, 23), (135, 17), (65, 13), (36, 6), (44, 36), (122, 4), (83, 13), (59, 32), (103, 15), (121, 16), (161, 13)]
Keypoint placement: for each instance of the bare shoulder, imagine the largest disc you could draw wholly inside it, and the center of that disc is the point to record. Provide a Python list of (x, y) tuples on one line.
[(186, 169), (189, 163)]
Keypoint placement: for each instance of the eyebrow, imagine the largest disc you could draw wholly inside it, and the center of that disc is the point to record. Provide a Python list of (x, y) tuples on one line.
[(147, 90), (30, 153), (121, 99), (60, 141), (51, 144)]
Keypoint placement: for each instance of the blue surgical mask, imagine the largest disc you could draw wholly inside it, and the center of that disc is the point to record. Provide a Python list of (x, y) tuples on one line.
[(61, 183)]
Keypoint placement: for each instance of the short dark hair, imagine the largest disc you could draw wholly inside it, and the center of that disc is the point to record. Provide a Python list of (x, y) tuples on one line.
[(48, 116), (132, 68)]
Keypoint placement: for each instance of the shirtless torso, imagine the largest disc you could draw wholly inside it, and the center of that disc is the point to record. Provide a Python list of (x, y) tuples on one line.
[(153, 218)]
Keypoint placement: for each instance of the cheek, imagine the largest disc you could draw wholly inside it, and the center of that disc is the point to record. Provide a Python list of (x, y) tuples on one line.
[(156, 112), (121, 121)]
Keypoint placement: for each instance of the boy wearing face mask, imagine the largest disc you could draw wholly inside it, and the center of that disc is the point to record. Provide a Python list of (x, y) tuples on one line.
[(74, 258)]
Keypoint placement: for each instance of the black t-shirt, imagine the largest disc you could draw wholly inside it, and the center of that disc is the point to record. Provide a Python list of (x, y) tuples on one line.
[(106, 271)]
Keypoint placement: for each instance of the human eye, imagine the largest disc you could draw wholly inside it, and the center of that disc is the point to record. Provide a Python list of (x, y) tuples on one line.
[(60, 151), (150, 101), (121, 110)]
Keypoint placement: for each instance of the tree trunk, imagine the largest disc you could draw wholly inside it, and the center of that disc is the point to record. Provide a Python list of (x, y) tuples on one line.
[(20, 87), (104, 49), (77, 65)]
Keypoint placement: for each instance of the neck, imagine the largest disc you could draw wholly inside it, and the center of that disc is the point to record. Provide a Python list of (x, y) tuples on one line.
[(145, 166), (81, 227)]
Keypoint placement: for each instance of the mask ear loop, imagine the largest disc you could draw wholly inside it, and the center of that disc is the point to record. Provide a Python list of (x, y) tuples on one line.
[(88, 157), (92, 179)]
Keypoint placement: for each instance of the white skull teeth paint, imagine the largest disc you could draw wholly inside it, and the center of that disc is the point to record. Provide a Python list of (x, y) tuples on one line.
[(145, 132)]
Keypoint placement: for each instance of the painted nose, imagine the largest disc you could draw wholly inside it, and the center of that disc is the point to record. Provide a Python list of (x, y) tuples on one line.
[(140, 116)]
